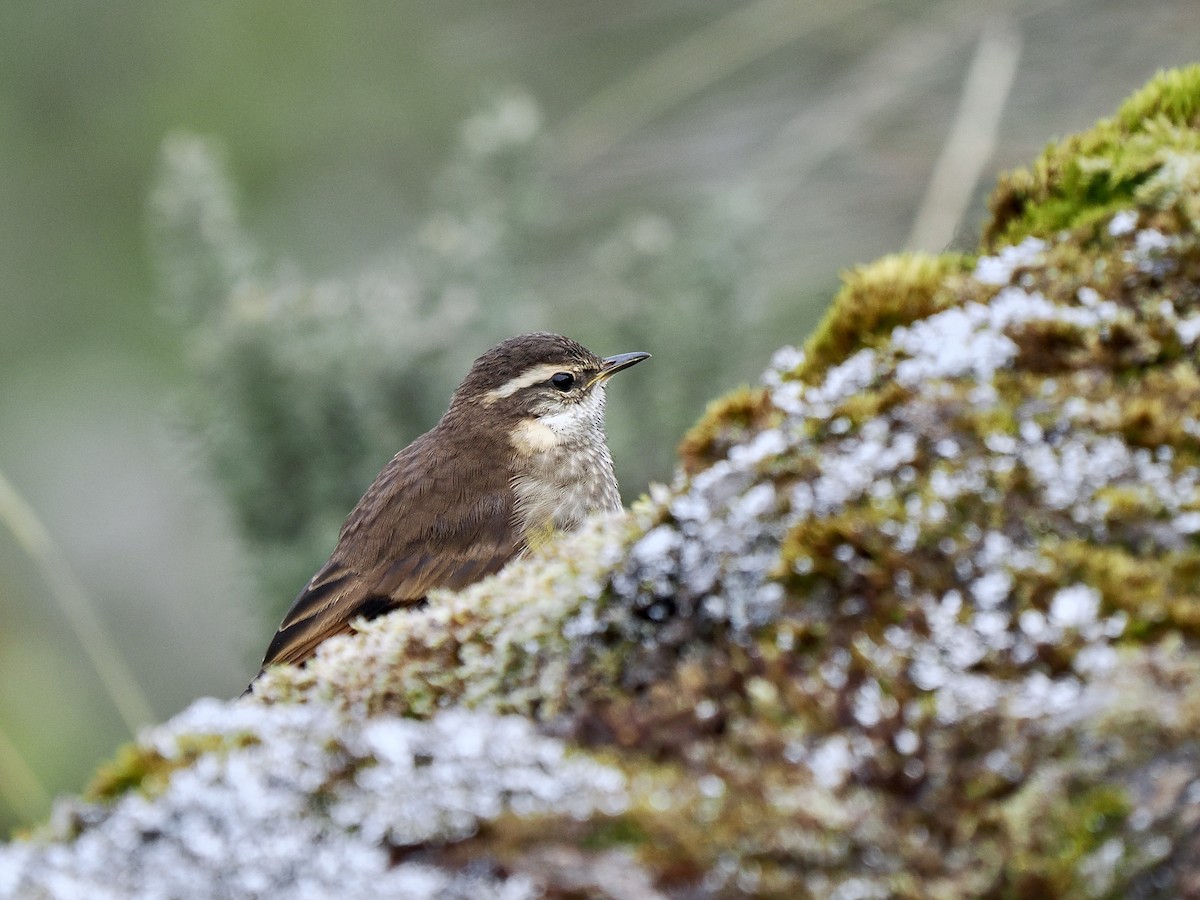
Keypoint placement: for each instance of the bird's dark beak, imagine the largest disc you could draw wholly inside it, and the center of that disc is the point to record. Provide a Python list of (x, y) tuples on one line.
[(614, 364)]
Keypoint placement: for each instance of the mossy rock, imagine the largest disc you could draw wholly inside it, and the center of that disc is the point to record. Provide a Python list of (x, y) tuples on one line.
[(918, 618)]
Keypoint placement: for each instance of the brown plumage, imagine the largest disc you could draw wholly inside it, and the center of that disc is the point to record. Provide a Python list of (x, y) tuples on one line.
[(519, 452)]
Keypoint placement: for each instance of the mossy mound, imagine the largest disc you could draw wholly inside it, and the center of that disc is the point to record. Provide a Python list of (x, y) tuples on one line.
[(918, 618)]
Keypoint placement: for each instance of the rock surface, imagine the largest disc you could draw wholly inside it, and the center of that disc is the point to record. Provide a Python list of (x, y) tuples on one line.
[(918, 618)]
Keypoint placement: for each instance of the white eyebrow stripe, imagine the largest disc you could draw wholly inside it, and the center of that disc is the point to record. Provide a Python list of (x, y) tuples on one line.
[(525, 379)]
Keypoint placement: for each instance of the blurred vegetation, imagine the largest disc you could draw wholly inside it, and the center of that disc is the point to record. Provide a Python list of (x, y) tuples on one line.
[(369, 207)]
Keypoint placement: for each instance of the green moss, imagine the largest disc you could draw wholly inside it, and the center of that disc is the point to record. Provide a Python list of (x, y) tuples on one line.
[(809, 555), (143, 769), (1081, 181), (1052, 828), (725, 422), (666, 830), (1156, 591), (875, 299), (616, 831), (1173, 94), (1154, 410), (862, 407), (1147, 408)]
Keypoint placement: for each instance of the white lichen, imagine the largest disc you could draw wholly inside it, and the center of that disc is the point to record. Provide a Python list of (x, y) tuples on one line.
[(242, 822), (999, 269)]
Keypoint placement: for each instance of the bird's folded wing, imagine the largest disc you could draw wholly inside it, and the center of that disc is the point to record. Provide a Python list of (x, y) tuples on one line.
[(370, 574)]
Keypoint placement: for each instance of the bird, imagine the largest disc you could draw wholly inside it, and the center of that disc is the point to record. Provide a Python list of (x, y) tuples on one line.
[(519, 455)]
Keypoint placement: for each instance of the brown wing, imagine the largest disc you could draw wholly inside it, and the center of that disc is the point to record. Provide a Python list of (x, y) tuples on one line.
[(402, 540)]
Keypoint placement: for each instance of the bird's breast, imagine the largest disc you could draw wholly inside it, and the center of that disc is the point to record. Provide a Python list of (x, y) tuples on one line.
[(557, 489)]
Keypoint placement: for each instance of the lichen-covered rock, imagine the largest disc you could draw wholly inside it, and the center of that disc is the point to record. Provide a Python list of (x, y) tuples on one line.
[(918, 618)]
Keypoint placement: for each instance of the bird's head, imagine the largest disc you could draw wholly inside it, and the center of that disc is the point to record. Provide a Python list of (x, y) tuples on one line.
[(547, 389)]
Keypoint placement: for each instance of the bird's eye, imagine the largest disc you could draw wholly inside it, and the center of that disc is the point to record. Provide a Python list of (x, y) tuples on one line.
[(564, 381)]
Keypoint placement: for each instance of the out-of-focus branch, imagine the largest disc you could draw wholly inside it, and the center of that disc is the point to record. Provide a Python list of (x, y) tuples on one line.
[(704, 57), (856, 101), (972, 138), (31, 535)]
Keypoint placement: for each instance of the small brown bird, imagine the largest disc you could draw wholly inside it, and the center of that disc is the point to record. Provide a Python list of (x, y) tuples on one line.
[(520, 453)]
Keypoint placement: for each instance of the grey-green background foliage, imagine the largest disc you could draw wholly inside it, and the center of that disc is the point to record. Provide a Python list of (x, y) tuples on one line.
[(247, 248)]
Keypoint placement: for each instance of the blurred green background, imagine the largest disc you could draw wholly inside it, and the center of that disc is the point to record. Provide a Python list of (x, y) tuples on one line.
[(247, 248)]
